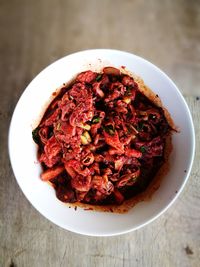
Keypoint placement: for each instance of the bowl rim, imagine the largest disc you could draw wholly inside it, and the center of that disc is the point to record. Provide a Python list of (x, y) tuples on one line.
[(190, 159)]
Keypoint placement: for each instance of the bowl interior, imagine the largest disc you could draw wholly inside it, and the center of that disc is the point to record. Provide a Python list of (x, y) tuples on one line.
[(24, 158)]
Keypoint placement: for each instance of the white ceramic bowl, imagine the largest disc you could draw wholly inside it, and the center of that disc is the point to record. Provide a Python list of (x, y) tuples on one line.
[(23, 151)]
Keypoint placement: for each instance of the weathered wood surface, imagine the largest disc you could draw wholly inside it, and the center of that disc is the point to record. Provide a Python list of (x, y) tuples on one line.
[(34, 34)]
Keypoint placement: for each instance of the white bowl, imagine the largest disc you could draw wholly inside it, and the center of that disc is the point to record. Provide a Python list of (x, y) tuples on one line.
[(23, 151)]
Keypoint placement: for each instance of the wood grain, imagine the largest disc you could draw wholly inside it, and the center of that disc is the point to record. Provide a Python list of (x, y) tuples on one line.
[(34, 34)]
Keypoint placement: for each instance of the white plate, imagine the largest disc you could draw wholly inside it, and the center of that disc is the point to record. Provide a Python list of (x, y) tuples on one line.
[(23, 150)]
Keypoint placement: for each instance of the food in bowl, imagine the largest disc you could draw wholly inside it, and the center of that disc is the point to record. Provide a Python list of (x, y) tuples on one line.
[(103, 139), (30, 109)]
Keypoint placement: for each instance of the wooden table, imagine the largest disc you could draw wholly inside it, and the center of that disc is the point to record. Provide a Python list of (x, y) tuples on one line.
[(35, 33)]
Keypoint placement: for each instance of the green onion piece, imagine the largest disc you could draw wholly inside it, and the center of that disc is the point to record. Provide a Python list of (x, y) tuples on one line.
[(109, 129), (98, 78), (58, 126), (95, 119), (35, 135), (85, 126), (143, 149)]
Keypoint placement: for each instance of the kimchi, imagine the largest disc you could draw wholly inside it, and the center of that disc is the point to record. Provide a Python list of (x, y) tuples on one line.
[(101, 141)]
